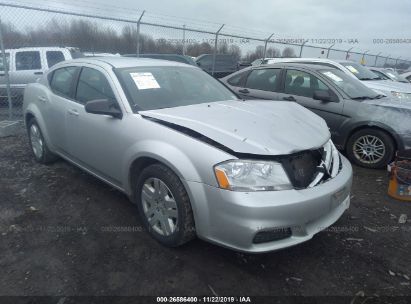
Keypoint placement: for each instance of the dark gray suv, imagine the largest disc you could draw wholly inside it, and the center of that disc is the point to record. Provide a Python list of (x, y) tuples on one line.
[(368, 126)]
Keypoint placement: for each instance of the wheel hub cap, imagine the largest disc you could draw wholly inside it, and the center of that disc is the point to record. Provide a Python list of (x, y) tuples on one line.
[(36, 141), (159, 206)]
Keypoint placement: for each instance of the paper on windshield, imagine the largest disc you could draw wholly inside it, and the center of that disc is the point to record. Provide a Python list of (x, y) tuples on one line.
[(333, 76), (352, 69), (145, 81)]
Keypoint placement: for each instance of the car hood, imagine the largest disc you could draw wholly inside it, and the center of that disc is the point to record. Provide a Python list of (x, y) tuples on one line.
[(253, 127), (387, 85), (388, 102)]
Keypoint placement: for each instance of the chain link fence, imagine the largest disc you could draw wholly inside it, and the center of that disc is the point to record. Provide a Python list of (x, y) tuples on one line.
[(24, 28)]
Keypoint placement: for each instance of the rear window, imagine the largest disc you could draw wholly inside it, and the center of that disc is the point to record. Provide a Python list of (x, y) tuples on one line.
[(237, 80), (76, 54), (62, 81), (263, 79), (54, 57)]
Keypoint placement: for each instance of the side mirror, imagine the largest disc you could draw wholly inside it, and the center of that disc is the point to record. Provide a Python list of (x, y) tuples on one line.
[(103, 107), (322, 95), (198, 63)]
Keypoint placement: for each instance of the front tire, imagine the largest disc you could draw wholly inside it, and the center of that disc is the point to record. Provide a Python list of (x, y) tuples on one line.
[(370, 148), (38, 145), (164, 206)]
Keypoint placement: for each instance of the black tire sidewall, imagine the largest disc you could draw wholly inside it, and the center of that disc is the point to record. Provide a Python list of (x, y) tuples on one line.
[(383, 136), (177, 189)]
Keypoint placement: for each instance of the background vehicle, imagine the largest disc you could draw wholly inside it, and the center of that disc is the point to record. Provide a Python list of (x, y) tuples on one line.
[(224, 64), (99, 54), (407, 75), (193, 157), (396, 90), (368, 126), (388, 74), (171, 57), (28, 64)]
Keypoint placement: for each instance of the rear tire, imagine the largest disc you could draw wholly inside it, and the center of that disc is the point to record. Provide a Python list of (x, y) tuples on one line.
[(164, 206), (370, 148), (38, 144)]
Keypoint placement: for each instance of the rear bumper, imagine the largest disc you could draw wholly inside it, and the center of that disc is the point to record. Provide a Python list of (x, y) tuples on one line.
[(232, 219)]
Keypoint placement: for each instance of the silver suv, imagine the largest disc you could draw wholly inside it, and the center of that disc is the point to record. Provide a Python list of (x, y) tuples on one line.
[(253, 176)]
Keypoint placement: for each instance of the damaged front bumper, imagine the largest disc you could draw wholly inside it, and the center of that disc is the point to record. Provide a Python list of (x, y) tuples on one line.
[(286, 218)]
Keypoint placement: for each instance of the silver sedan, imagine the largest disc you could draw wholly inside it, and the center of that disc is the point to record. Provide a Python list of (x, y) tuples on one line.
[(253, 176)]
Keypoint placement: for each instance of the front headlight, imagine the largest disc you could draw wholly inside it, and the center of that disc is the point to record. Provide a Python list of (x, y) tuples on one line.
[(250, 175), (400, 95)]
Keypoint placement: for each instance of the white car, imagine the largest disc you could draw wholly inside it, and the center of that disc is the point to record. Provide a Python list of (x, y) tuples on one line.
[(407, 75), (396, 90), (389, 74), (253, 176)]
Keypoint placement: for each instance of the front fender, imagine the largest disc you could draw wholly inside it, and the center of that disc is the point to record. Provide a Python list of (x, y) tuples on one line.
[(163, 152), (373, 124)]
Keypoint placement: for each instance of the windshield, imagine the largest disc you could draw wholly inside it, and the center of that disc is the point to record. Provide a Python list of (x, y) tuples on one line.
[(150, 88), (353, 88), (362, 73), (381, 74), (395, 76)]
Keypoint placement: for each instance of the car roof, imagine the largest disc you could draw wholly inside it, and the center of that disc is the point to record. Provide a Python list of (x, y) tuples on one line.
[(296, 65), (29, 48), (126, 62)]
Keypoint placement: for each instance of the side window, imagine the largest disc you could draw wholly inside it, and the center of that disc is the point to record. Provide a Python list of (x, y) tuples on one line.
[(54, 57), (62, 81), (263, 79), (29, 60), (237, 79), (93, 85), (7, 61), (206, 60), (303, 84)]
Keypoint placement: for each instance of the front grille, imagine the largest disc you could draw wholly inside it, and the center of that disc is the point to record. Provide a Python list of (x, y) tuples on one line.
[(302, 167), (310, 168)]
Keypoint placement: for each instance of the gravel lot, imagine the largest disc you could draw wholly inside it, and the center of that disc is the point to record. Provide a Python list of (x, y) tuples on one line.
[(63, 232)]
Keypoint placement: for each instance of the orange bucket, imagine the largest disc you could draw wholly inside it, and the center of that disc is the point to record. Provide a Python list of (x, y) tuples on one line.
[(400, 179)]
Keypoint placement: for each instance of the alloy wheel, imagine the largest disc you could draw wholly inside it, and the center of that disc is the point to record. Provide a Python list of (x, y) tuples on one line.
[(369, 149)]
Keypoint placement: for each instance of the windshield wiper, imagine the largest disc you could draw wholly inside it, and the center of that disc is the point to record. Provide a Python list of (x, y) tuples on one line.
[(362, 98), (365, 78), (368, 97)]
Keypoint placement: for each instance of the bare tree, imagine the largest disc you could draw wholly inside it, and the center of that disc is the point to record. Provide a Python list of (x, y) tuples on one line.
[(235, 51), (273, 52), (288, 52)]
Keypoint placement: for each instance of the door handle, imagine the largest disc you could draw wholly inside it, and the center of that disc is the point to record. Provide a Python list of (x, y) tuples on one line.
[(73, 112), (42, 98), (38, 73), (289, 98), (244, 91)]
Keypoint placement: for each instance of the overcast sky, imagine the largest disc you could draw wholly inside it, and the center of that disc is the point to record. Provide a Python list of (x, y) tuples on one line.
[(307, 19)]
